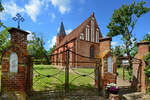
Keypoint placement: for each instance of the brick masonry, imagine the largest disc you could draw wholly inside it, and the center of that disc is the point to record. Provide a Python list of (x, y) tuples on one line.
[(22, 80), (139, 79)]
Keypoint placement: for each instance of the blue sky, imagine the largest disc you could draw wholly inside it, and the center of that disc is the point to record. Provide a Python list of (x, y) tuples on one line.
[(44, 16)]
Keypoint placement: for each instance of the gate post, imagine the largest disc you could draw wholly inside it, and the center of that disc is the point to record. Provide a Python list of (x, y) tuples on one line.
[(67, 72), (99, 75)]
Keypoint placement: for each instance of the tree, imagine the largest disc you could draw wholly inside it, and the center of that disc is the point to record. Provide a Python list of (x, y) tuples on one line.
[(147, 37), (118, 52), (123, 22), (36, 49), (4, 40), (1, 7), (50, 52)]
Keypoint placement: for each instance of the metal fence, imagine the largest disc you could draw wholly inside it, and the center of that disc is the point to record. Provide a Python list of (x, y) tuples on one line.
[(66, 80)]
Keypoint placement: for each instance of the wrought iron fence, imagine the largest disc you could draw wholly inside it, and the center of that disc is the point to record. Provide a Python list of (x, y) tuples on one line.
[(63, 78)]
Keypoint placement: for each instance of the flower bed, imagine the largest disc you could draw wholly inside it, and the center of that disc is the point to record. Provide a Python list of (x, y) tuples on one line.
[(112, 88)]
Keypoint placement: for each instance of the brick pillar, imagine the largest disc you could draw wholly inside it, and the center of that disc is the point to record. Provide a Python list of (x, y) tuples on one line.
[(138, 71), (105, 44), (17, 72)]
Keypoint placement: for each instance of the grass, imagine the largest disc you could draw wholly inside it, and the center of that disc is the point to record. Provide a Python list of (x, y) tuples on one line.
[(57, 81), (41, 81), (120, 72)]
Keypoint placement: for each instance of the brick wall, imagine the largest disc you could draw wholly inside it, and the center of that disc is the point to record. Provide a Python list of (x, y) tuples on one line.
[(21, 80), (138, 70)]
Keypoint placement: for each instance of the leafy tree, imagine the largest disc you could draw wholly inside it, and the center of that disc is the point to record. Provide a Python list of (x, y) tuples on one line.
[(118, 52), (4, 40), (51, 50), (1, 7), (36, 49), (147, 37), (123, 22)]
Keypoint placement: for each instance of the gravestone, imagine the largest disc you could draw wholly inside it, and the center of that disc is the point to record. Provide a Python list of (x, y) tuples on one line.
[(17, 71)]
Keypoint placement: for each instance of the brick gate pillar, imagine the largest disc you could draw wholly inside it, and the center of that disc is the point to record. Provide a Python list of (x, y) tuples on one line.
[(138, 71), (108, 68), (17, 66)]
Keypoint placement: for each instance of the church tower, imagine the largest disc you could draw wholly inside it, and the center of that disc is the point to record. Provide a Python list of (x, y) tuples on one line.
[(61, 34)]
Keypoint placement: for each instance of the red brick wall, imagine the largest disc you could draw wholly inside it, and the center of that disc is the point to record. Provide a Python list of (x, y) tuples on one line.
[(23, 79), (143, 49)]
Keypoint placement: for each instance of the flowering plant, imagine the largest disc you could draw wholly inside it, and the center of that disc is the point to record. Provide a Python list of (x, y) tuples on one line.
[(112, 88)]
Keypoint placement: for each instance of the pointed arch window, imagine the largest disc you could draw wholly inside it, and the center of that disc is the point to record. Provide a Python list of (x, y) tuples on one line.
[(13, 62), (81, 36), (97, 36), (87, 33), (92, 30), (92, 51)]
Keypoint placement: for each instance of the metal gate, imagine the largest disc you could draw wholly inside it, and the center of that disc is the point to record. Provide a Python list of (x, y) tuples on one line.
[(67, 81)]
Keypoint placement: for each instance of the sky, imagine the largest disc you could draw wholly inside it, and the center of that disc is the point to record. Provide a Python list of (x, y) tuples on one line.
[(44, 17)]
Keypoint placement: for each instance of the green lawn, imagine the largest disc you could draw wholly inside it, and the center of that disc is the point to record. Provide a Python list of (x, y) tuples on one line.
[(120, 72), (57, 81)]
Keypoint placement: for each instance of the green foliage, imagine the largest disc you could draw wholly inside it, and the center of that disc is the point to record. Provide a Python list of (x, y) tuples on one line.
[(123, 22), (147, 69), (36, 49), (1, 7), (147, 37), (4, 40), (51, 50), (118, 52)]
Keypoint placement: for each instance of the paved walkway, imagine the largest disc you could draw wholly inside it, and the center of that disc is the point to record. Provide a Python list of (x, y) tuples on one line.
[(121, 82)]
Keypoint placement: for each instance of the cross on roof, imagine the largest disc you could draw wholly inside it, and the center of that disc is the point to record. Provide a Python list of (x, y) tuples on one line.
[(18, 18)]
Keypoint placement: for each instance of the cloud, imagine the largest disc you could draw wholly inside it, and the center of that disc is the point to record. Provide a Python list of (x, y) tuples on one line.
[(10, 8), (114, 44), (33, 8), (52, 42), (30, 36), (63, 5), (68, 31)]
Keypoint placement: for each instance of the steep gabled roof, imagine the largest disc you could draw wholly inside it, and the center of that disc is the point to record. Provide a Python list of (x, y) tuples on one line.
[(76, 32)]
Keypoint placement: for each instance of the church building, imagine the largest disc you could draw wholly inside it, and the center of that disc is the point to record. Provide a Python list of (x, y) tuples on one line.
[(83, 40)]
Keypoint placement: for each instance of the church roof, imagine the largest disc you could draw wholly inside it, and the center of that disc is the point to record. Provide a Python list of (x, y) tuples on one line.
[(62, 29), (76, 32)]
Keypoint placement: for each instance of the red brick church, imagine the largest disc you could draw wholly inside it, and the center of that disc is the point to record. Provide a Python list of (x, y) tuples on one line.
[(83, 40)]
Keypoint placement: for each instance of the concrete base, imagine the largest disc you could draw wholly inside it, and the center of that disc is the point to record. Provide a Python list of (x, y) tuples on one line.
[(13, 96)]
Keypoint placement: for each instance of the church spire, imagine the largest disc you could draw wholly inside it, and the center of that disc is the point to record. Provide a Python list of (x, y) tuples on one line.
[(62, 29)]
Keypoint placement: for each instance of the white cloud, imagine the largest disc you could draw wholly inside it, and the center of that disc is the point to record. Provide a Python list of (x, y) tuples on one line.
[(33, 8), (63, 5), (30, 35), (52, 15), (68, 31), (114, 43), (10, 8), (52, 42)]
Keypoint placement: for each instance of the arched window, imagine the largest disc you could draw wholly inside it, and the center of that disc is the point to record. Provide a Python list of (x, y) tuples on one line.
[(13, 62), (81, 36), (97, 36), (110, 64), (92, 31), (92, 51), (87, 33)]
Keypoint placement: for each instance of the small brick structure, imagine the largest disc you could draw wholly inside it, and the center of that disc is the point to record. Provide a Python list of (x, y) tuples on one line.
[(139, 78), (17, 66), (108, 69)]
